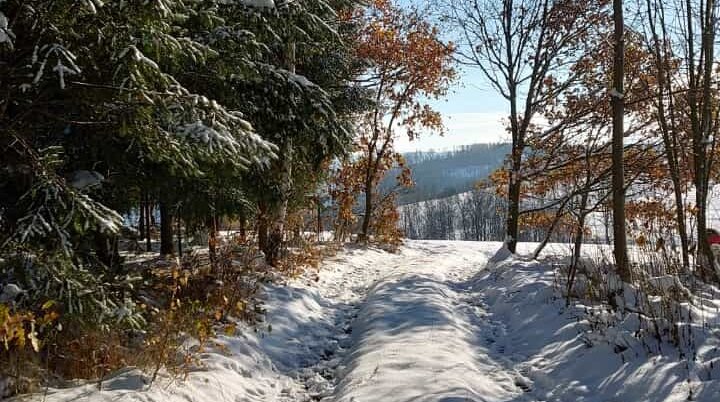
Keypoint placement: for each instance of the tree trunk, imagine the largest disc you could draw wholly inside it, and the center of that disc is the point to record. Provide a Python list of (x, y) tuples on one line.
[(106, 250), (319, 220), (577, 249), (702, 160), (148, 212), (274, 244), (276, 237), (263, 227), (297, 238), (211, 224), (606, 222), (664, 83), (513, 212), (242, 221), (618, 169), (179, 238), (166, 229), (674, 170), (364, 235), (141, 219), (553, 224), (151, 212), (277, 232)]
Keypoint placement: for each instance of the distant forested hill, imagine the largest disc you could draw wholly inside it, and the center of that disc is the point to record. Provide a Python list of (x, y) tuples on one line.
[(442, 174)]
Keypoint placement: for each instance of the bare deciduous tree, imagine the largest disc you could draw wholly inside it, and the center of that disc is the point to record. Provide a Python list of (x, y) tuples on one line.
[(525, 50)]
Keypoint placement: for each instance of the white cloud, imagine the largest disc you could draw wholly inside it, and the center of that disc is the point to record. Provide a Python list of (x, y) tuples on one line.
[(462, 129)]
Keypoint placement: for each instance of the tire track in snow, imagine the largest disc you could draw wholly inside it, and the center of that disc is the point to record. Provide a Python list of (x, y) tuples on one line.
[(418, 339), (344, 282)]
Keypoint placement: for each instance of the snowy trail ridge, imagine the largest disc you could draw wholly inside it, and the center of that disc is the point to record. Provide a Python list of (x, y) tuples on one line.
[(437, 322), (416, 337)]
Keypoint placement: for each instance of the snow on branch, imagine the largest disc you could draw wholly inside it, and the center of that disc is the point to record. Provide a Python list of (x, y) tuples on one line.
[(6, 35), (93, 5), (65, 62), (258, 3), (221, 131)]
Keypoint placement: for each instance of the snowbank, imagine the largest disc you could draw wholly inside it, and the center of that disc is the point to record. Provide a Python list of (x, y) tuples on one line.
[(280, 360), (564, 357), (242, 372)]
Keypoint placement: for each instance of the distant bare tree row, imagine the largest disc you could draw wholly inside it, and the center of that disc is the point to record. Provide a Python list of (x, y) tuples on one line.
[(477, 215)]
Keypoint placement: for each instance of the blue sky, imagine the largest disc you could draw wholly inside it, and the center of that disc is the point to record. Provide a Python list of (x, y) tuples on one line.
[(472, 112)]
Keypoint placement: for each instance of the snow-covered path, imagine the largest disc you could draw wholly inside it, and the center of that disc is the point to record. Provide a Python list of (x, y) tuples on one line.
[(365, 333), (452, 322), (418, 334), (440, 321)]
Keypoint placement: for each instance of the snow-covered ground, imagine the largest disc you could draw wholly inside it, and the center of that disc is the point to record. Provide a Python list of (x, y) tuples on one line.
[(437, 322)]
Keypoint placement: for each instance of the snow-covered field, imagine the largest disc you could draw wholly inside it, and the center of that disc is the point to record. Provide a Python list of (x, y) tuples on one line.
[(437, 322)]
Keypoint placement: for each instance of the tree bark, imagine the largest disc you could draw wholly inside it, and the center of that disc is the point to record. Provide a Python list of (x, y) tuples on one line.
[(151, 213), (513, 213), (106, 250), (263, 227), (618, 169), (166, 229), (558, 215), (277, 232), (179, 237), (664, 83), (577, 249), (141, 219), (242, 221), (319, 220), (212, 227), (364, 235), (148, 212), (703, 139), (275, 240)]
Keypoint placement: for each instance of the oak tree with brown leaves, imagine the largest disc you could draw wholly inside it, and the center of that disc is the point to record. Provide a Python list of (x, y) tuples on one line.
[(407, 62)]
